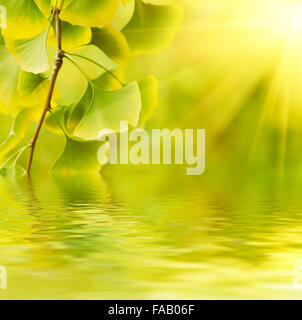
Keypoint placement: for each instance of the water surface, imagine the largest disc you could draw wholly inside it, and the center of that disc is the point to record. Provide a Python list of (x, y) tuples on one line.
[(145, 234)]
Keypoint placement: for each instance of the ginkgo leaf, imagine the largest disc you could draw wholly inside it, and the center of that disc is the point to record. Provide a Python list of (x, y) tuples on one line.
[(20, 89), (15, 142), (95, 55), (24, 19), (32, 89), (79, 109), (149, 93), (9, 75), (99, 109), (152, 27), (111, 81), (16, 134), (14, 170), (71, 82), (31, 53), (72, 36), (28, 82), (9, 166), (56, 121), (112, 42), (89, 13), (45, 6), (78, 156), (123, 14)]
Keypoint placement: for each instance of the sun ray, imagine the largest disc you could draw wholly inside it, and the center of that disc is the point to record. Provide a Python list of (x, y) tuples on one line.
[(236, 46)]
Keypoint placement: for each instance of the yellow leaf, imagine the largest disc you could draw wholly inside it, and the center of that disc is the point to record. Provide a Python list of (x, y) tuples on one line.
[(90, 13)]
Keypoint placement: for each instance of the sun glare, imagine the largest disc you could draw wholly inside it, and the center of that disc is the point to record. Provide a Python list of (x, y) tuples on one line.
[(243, 42), (297, 17)]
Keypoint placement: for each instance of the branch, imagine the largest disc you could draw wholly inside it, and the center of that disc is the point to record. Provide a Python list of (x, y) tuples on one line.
[(56, 68)]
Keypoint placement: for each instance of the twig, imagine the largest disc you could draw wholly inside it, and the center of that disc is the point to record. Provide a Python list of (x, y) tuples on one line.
[(56, 68)]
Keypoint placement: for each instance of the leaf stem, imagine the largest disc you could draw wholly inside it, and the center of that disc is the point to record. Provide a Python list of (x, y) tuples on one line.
[(99, 65), (56, 68)]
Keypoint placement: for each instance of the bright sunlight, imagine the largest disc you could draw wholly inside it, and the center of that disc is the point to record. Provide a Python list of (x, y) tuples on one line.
[(243, 43)]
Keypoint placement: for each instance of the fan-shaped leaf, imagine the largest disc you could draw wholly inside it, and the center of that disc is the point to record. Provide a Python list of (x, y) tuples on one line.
[(24, 19), (78, 156), (56, 120), (94, 54), (32, 89), (89, 13), (15, 143), (9, 75), (72, 36), (31, 53), (149, 93), (108, 81), (45, 6), (100, 109), (152, 27), (72, 83), (28, 82), (112, 42), (123, 14), (19, 89)]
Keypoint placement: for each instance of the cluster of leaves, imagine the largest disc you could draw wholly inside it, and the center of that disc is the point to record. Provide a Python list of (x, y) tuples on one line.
[(98, 37)]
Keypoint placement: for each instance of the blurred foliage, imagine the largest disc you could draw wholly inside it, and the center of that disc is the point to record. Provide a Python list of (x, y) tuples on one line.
[(235, 70)]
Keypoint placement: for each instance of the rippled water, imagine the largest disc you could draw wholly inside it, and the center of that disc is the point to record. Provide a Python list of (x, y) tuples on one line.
[(144, 234)]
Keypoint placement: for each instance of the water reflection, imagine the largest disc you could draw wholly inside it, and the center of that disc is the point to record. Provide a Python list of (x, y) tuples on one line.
[(144, 234)]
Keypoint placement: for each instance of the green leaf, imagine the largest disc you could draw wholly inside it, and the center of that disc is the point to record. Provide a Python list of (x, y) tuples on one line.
[(93, 53), (15, 144), (149, 93), (20, 89), (79, 109), (32, 89), (152, 27), (9, 75), (24, 19), (45, 6), (123, 14), (99, 109), (78, 156), (31, 53), (28, 82), (55, 120), (112, 42), (14, 170), (11, 168), (58, 120), (108, 81), (89, 13), (71, 82), (72, 36)]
